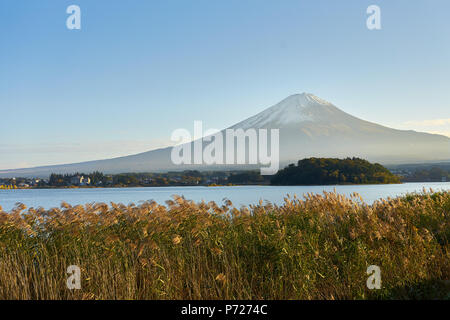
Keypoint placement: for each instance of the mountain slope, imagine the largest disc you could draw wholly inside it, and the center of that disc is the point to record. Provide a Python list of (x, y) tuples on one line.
[(309, 126)]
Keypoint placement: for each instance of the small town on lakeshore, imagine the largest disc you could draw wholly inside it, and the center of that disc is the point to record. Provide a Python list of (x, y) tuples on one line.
[(97, 179)]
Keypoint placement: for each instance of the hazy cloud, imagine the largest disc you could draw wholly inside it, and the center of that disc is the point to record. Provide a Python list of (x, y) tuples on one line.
[(444, 133), (435, 126), (427, 123)]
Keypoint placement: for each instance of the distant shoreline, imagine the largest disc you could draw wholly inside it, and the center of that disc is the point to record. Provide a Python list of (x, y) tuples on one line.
[(306, 172), (212, 186)]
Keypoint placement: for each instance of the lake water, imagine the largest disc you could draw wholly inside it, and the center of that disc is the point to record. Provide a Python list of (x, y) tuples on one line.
[(239, 195)]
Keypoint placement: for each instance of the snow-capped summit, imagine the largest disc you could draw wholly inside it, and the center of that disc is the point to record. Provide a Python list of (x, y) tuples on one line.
[(295, 109), (302, 99), (305, 99)]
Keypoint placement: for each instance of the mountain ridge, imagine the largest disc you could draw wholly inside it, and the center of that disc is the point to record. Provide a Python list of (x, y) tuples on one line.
[(309, 126)]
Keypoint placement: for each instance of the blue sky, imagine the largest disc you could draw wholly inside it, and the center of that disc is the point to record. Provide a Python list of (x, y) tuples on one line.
[(137, 70)]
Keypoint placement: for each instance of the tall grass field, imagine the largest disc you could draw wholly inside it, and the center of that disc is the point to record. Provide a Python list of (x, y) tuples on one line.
[(318, 247)]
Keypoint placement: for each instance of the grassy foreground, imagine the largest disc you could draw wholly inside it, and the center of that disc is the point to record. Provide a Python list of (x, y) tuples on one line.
[(318, 248)]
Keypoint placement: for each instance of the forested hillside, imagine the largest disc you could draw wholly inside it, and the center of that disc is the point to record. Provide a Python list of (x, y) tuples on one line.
[(324, 171)]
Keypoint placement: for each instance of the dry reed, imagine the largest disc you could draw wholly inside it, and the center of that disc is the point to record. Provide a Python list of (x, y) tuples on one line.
[(316, 248)]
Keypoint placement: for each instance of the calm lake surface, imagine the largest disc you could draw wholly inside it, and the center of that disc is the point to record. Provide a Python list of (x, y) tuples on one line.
[(239, 195)]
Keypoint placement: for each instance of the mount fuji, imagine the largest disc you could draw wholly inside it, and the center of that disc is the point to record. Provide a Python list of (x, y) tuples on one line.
[(308, 126)]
